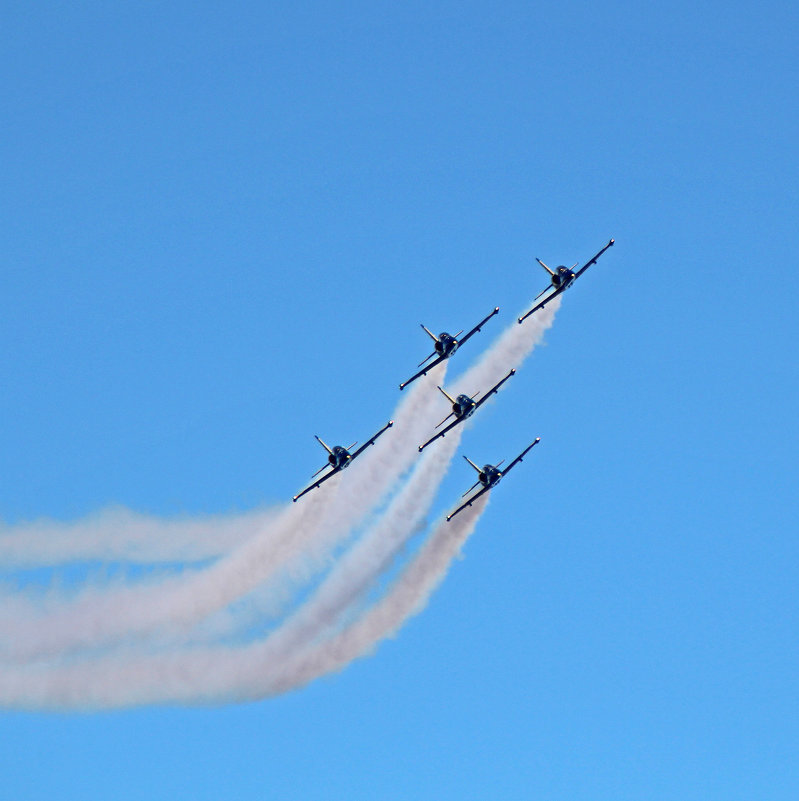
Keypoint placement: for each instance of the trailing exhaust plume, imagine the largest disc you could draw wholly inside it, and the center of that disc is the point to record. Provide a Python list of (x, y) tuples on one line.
[(296, 543), (408, 597), (121, 535), (510, 350), (169, 640), (286, 660)]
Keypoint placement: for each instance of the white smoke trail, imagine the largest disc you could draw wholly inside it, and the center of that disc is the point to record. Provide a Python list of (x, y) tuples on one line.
[(358, 569), (121, 535), (298, 541), (510, 350), (193, 674), (100, 615), (408, 597), (253, 671), (422, 576)]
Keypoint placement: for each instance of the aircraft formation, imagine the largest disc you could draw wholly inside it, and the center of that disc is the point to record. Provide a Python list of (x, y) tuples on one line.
[(464, 406)]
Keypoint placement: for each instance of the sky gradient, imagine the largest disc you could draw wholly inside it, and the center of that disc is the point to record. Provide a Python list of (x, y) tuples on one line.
[(223, 227)]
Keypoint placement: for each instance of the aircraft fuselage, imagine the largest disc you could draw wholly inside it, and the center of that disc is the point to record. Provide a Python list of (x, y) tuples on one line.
[(490, 475), (340, 458), (446, 344), (463, 407), (563, 278)]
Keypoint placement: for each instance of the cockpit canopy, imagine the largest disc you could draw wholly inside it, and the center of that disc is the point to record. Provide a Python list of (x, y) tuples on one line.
[(490, 475)]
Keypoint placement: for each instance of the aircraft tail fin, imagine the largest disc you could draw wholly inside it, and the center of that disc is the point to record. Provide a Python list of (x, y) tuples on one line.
[(551, 272), (323, 444), (429, 333), (448, 397), (472, 464)]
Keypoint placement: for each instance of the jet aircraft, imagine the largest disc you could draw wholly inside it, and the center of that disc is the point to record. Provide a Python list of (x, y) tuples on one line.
[(338, 458), (462, 407), (489, 476), (562, 279), (445, 346)]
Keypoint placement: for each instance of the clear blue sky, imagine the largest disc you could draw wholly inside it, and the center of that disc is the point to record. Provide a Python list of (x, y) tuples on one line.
[(223, 224)]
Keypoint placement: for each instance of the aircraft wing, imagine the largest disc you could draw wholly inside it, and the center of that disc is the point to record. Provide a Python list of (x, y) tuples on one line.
[(441, 433), (593, 261), (542, 303), (478, 326), (520, 456), (313, 486), (495, 388), (468, 503), (422, 372), (559, 290), (372, 440)]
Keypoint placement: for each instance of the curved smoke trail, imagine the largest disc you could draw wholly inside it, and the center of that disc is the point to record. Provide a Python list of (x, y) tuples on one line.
[(254, 671), (298, 541), (121, 535), (409, 595), (309, 643)]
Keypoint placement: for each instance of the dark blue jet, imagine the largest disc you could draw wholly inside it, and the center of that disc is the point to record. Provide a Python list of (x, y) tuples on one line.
[(462, 407), (445, 346), (338, 458), (489, 476), (561, 279)]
